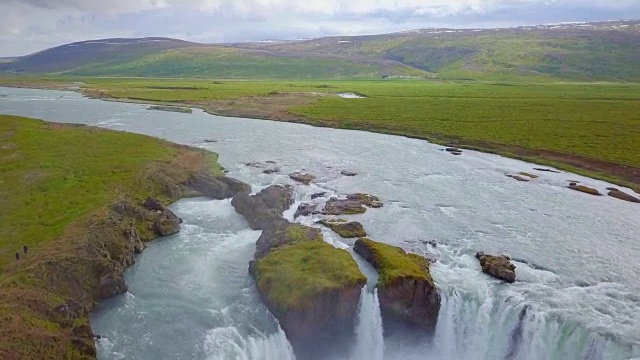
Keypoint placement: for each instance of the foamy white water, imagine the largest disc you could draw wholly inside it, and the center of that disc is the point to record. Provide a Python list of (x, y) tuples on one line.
[(577, 295)]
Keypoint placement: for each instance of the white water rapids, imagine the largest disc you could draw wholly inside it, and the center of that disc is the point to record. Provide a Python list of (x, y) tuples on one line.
[(577, 294)]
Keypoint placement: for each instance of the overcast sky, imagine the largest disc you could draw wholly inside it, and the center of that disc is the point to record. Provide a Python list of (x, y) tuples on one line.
[(32, 25)]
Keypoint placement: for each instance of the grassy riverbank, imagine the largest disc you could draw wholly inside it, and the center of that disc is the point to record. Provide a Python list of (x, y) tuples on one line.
[(589, 128), (59, 184)]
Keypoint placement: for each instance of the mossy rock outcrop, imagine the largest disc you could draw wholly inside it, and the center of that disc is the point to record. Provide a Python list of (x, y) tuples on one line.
[(407, 292), (264, 210), (347, 230), (312, 288)]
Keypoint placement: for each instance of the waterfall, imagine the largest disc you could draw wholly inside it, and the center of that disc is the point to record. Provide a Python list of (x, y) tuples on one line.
[(228, 343), (494, 328), (369, 339), (275, 346)]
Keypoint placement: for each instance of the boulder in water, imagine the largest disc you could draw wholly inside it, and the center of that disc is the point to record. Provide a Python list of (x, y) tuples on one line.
[(318, 195), (345, 229), (303, 178), (264, 209), (306, 210), (407, 292), (517, 177), (615, 193), (532, 176), (312, 288), (584, 189), (348, 173), (353, 204), (500, 267)]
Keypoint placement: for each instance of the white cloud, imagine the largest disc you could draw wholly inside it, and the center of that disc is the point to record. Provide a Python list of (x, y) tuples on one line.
[(30, 25)]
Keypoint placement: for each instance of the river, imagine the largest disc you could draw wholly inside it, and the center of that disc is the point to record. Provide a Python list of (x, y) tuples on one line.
[(578, 256)]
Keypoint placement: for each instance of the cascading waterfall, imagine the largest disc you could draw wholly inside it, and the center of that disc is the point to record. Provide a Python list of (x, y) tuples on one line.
[(228, 343), (501, 329), (369, 332)]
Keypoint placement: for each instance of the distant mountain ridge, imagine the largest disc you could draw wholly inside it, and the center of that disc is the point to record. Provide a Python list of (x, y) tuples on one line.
[(606, 51)]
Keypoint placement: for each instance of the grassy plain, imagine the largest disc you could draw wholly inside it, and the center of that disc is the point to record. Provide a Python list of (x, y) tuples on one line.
[(590, 128)]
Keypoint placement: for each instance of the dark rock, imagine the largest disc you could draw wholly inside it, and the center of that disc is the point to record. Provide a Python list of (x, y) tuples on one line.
[(111, 285), (367, 200), (218, 188), (584, 189), (453, 150), (499, 267), (529, 175), (318, 195), (406, 289), (153, 205), (348, 173), (547, 170), (353, 204), (623, 196), (430, 242), (457, 153), (270, 171), (612, 189), (71, 310), (271, 162), (306, 210), (177, 109), (303, 178), (168, 224), (210, 141), (345, 229), (264, 209), (84, 346), (135, 241), (517, 177)]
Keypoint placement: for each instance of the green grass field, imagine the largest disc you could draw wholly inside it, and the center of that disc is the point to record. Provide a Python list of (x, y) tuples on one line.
[(47, 183)]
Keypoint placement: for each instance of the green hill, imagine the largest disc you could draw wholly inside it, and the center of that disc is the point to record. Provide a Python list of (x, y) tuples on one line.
[(605, 51)]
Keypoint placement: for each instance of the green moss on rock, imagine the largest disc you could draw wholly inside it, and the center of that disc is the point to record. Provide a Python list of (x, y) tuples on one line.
[(393, 263), (294, 276), (345, 229), (585, 189)]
